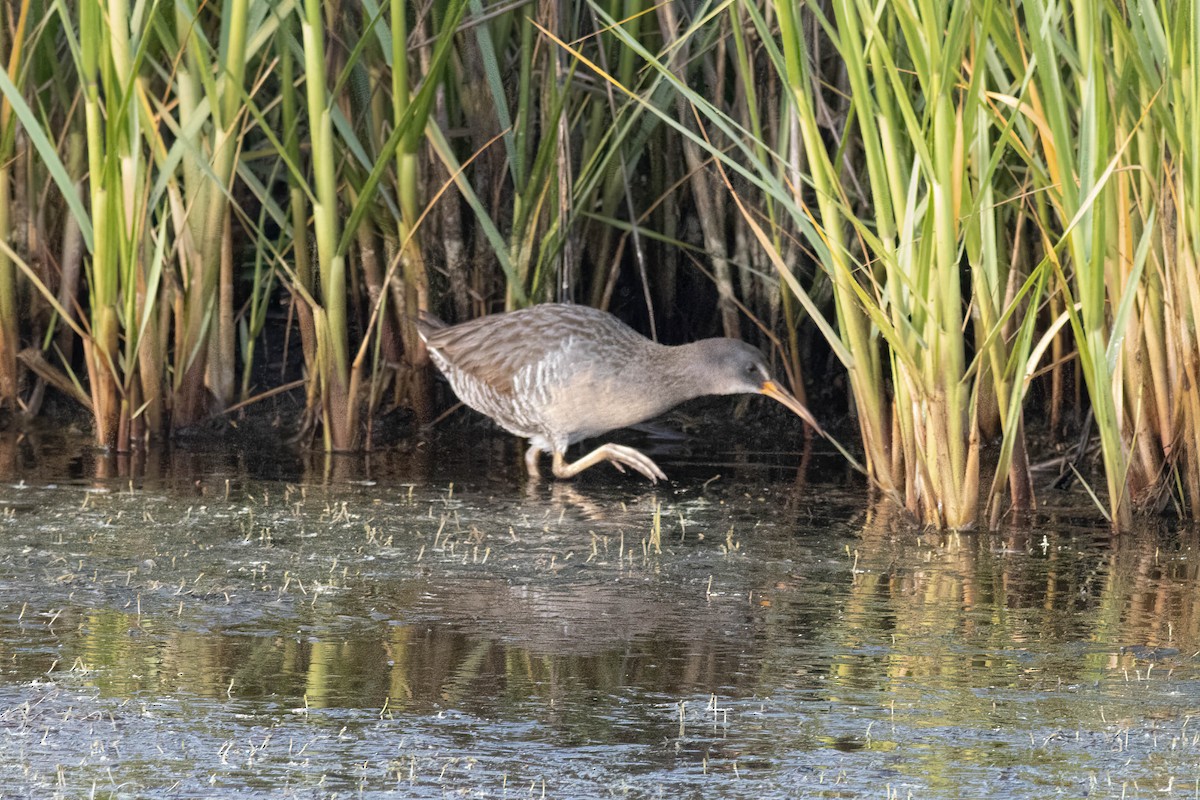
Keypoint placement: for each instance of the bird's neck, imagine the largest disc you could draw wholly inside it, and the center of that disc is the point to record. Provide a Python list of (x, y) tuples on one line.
[(677, 378)]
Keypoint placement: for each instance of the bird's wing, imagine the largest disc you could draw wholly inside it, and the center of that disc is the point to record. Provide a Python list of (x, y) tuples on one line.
[(492, 349)]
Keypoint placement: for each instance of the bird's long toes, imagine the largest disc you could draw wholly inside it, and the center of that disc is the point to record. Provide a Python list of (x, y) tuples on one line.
[(651, 471), (653, 476), (642, 464), (647, 471)]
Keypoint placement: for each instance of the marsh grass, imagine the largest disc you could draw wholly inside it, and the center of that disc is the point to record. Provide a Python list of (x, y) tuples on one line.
[(956, 208), (969, 202)]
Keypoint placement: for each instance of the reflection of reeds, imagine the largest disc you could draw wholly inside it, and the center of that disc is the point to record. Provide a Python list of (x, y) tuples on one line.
[(946, 611), (1017, 597)]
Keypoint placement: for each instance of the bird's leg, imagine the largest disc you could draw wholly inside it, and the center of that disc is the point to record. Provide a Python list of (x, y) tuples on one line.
[(532, 456), (618, 455)]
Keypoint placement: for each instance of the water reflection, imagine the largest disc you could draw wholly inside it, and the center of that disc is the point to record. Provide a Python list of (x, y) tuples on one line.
[(740, 636)]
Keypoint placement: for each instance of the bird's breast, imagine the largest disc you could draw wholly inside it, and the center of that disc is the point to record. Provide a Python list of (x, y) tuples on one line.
[(591, 399)]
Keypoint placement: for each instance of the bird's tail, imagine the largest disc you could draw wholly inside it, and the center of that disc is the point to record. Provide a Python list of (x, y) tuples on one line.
[(428, 324)]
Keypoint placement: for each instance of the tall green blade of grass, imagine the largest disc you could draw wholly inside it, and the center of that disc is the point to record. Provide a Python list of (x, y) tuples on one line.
[(412, 262), (1184, 179), (916, 154), (210, 83), (12, 42), (537, 169), (1076, 137), (303, 282), (857, 335), (339, 411), (1155, 88), (104, 148), (351, 151)]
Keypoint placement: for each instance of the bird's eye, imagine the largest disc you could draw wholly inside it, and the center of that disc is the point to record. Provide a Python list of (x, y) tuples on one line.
[(751, 369)]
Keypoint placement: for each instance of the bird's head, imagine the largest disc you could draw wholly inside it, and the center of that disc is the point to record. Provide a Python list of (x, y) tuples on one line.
[(734, 367)]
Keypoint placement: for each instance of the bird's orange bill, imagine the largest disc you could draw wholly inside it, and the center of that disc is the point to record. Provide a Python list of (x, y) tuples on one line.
[(775, 391)]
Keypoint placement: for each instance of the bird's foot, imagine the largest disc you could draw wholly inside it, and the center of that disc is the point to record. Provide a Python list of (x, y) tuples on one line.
[(618, 455)]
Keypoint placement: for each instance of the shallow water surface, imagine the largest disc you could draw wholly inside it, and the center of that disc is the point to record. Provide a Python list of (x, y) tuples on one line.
[(212, 624)]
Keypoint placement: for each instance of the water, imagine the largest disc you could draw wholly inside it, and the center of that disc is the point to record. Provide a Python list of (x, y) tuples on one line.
[(216, 623)]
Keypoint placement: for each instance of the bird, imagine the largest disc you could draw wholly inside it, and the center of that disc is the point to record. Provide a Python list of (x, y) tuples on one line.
[(558, 373)]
